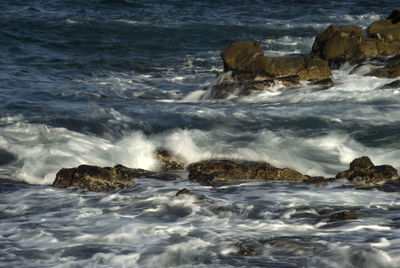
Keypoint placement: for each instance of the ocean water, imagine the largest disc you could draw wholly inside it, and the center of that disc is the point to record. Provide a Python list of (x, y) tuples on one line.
[(106, 82)]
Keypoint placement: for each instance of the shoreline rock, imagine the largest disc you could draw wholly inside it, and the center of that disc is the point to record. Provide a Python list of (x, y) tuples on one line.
[(253, 71)]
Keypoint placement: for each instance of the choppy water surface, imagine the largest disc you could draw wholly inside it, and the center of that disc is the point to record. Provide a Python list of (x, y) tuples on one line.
[(106, 82)]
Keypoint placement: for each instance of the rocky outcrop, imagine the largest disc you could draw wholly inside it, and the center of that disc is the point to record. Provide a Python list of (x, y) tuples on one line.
[(252, 71), (391, 69), (245, 56), (344, 216), (363, 172), (214, 171), (167, 160), (102, 179), (97, 179)]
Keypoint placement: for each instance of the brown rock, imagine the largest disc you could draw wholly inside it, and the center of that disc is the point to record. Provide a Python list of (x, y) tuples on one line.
[(224, 170), (337, 42), (390, 70), (384, 30), (167, 161), (305, 67), (244, 56), (362, 171), (97, 179)]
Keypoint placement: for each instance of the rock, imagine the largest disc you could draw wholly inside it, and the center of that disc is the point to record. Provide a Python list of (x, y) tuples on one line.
[(184, 191), (324, 83), (374, 47), (385, 30), (337, 42), (288, 81), (167, 161), (245, 249), (394, 17), (97, 179), (244, 56), (6, 157), (344, 215), (362, 171), (394, 84), (224, 170), (305, 67)]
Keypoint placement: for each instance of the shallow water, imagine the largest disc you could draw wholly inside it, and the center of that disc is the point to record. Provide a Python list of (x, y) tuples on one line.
[(107, 82)]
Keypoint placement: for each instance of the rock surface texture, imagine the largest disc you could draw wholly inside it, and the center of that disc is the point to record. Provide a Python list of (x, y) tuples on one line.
[(247, 69), (224, 170), (362, 172), (98, 179)]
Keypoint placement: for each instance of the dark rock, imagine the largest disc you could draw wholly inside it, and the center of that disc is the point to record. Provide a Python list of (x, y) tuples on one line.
[(344, 215), (288, 81), (244, 56), (167, 161), (184, 191), (324, 83), (394, 84), (224, 170), (98, 179), (394, 17), (317, 180), (362, 171), (245, 249), (242, 88)]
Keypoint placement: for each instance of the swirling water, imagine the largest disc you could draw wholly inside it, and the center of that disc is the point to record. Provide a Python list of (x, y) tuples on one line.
[(106, 82)]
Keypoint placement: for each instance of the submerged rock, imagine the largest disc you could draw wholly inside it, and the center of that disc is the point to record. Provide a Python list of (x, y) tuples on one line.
[(246, 249), (344, 215), (363, 172), (167, 160), (98, 179), (225, 170), (184, 191)]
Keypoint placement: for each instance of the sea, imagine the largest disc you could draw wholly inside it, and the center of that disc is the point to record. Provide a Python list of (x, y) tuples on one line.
[(106, 82)]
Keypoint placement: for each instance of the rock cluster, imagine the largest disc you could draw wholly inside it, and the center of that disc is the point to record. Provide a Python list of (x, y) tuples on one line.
[(362, 173), (247, 69)]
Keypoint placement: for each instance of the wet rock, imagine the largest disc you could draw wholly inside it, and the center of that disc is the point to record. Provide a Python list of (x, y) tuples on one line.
[(225, 170), (288, 81), (97, 179), (340, 43), (362, 172), (245, 249), (244, 56), (337, 42), (6, 157), (344, 215), (184, 191), (305, 67), (324, 83), (387, 29), (102, 179), (394, 17), (167, 161), (239, 88)]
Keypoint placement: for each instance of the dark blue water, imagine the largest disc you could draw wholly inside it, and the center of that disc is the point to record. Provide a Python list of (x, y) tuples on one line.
[(106, 82)]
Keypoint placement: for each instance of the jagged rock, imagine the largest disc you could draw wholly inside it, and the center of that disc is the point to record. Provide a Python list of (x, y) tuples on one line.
[(97, 179), (323, 84), (385, 30), (344, 215), (340, 43), (245, 249), (167, 161), (184, 191), (362, 171), (242, 88), (102, 179), (244, 56), (337, 42), (305, 67), (225, 170), (394, 84)]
